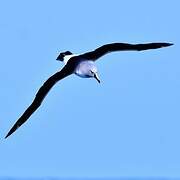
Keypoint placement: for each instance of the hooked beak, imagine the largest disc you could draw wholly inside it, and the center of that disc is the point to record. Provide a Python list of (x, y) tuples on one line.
[(96, 77)]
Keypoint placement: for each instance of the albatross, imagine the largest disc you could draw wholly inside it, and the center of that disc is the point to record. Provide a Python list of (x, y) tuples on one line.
[(82, 65)]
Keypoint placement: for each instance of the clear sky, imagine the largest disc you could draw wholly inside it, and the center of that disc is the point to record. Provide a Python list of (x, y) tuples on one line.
[(129, 125)]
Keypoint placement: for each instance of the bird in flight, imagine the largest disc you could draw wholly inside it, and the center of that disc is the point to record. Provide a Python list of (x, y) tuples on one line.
[(82, 65)]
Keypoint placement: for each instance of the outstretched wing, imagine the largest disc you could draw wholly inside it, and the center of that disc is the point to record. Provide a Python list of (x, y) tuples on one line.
[(101, 51), (41, 94)]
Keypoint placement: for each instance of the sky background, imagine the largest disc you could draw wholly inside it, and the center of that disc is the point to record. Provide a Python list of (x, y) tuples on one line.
[(129, 125)]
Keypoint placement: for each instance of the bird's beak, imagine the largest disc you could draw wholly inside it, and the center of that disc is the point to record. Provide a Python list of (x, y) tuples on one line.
[(96, 77)]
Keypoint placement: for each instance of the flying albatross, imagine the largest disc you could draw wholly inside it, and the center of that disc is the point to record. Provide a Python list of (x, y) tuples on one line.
[(82, 65)]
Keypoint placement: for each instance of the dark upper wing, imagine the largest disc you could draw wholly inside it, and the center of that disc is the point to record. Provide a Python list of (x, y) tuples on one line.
[(97, 53), (45, 88)]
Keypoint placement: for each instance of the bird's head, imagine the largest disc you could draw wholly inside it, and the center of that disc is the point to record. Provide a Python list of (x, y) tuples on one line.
[(62, 55)]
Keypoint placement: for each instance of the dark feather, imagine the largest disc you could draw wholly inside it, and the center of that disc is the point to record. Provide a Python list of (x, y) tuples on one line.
[(101, 51), (41, 94)]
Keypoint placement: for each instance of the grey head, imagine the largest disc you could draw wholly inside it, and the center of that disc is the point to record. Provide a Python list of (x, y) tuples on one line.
[(62, 55), (87, 69)]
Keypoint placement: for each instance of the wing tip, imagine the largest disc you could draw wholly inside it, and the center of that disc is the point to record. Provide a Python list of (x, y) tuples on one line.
[(8, 134), (12, 130), (167, 44)]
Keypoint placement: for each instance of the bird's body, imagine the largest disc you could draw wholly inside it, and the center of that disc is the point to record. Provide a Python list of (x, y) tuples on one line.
[(82, 65)]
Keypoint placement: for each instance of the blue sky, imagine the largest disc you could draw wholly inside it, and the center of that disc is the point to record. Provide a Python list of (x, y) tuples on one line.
[(126, 126)]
